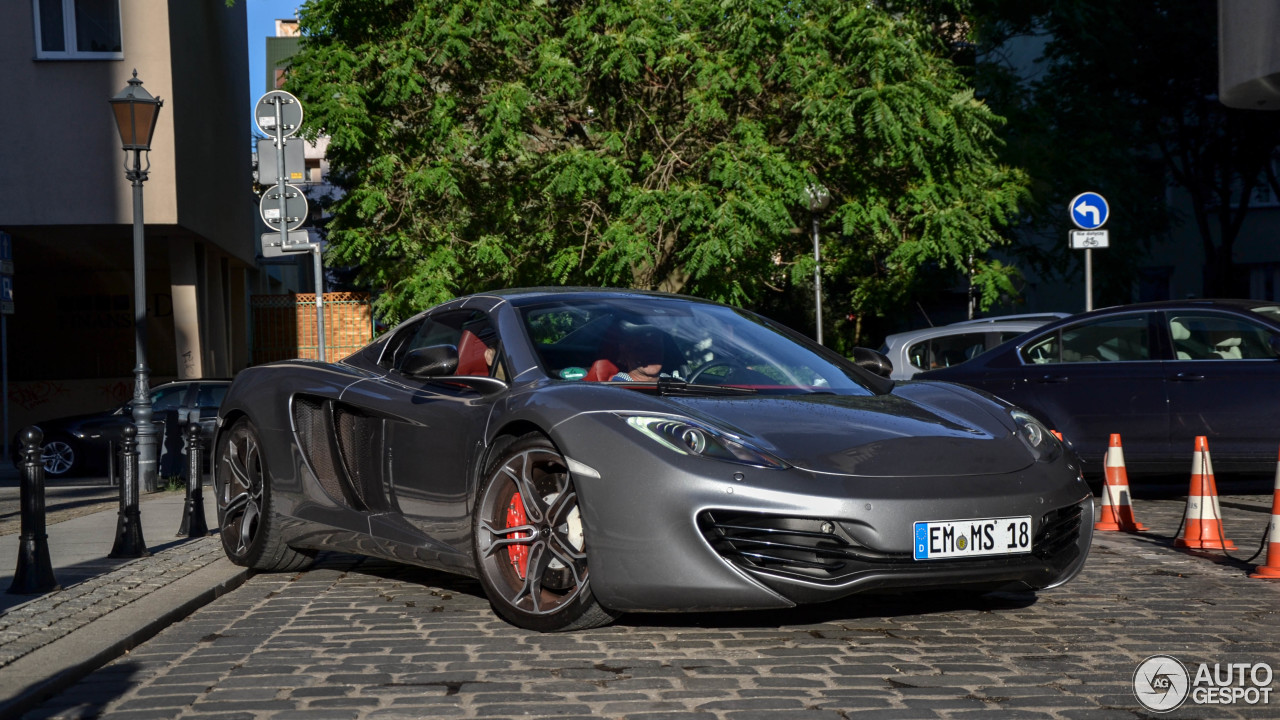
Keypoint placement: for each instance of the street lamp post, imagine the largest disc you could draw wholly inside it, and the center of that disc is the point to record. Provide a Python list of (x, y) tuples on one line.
[(136, 111), (819, 198)]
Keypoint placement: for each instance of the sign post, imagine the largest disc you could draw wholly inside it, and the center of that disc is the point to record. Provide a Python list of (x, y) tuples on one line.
[(1089, 212), (278, 115)]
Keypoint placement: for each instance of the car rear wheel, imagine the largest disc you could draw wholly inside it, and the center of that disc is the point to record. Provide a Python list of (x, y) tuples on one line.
[(250, 528), (529, 541), (58, 456)]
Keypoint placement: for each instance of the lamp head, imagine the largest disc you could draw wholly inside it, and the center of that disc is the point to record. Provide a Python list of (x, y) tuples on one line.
[(136, 112)]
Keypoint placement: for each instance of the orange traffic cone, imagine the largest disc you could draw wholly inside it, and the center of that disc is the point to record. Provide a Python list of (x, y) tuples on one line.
[(1203, 524), (1117, 511), (1271, 568)]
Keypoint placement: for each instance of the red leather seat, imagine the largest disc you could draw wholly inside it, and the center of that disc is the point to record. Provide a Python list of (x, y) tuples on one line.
[(601, 371), (471, 355)]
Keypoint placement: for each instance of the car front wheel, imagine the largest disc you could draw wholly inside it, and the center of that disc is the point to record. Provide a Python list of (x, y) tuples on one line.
[(529, 541)]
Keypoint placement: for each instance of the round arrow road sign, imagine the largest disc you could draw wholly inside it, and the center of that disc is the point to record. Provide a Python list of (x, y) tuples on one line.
[(1089, 211)]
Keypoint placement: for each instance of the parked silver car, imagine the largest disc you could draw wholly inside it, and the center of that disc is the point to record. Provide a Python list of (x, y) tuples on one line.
[(948, 345)]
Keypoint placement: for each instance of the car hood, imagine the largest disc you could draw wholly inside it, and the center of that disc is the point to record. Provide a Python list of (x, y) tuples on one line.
[(921, 429)]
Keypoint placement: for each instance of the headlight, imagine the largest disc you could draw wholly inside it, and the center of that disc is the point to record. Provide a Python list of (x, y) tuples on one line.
[(689, 437), (1039, 440)]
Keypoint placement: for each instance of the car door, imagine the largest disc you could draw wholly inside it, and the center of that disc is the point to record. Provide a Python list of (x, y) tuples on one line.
[(432, 432), (1224, 383), (1094, 378)]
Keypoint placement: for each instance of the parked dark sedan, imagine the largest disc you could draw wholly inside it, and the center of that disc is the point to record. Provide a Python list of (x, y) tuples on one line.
[(1159, 374), (79, 444), (587, 453)]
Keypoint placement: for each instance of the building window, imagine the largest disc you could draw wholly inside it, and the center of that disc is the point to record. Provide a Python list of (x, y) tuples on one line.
[(77, 29)]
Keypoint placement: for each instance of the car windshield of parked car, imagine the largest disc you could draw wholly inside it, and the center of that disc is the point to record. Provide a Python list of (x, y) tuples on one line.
[(593, 339)]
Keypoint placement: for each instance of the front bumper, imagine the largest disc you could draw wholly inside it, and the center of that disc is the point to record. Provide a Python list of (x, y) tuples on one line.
[(673, 533)]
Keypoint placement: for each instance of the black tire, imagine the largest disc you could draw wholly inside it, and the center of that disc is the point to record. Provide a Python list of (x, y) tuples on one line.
[(60, 456), (249, 527), (536, 579)]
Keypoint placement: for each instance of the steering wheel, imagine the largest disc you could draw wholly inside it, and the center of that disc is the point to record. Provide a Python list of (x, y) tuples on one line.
[(713, 364)]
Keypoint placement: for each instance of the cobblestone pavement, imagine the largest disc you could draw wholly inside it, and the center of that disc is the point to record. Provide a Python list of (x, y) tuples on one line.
[(356, 638)]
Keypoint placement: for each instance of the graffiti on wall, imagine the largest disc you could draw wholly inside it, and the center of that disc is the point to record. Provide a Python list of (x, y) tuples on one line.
[(31, 395)]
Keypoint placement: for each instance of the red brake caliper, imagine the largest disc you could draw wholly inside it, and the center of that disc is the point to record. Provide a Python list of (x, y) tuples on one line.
[(519, 553)]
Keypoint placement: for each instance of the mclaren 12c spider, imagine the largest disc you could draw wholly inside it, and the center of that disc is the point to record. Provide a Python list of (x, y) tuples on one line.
[(586, 453)]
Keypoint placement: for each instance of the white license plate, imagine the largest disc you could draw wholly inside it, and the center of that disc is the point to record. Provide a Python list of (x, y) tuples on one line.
[(972, 538)]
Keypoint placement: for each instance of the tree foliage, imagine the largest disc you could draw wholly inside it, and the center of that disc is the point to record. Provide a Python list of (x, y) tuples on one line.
[(1123, 100), (663, 144)]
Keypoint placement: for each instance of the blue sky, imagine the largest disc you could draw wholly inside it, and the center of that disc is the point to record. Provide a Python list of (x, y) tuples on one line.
[(262, 15)]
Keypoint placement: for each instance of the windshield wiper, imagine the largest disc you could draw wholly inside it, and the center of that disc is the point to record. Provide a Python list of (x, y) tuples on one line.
[(674, 386)]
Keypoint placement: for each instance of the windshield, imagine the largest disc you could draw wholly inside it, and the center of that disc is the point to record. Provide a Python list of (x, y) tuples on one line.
[(638, 338)]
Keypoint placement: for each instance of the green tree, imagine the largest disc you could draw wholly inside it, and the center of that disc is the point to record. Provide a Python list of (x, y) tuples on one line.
[(1122, 99), (661, 144)]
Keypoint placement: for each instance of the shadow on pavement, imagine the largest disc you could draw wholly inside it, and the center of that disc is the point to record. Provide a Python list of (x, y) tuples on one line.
[(90, 697)]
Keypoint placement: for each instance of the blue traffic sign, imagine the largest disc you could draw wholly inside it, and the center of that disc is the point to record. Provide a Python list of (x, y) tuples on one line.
[(1089, 211)]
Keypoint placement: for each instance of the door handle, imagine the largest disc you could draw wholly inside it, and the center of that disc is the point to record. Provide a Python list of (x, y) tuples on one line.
[(1188, 377), (1054, 379)]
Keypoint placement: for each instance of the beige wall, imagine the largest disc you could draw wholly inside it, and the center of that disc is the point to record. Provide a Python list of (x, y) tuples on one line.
[(68, 148), (66, 166)]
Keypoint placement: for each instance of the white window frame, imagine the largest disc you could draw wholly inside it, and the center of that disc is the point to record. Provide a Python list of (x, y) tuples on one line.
[(69, 35)]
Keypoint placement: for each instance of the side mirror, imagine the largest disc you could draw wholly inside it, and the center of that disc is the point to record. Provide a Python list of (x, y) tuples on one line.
[(872, 361), (429, 362)]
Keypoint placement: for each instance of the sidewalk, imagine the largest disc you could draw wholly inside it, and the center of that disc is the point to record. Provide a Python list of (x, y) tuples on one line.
[(106, 606)]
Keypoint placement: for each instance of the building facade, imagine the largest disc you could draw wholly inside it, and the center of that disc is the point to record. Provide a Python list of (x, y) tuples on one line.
[(68, 206)]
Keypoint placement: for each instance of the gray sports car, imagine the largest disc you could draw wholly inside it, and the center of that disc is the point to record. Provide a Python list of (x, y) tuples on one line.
[(585, 453)]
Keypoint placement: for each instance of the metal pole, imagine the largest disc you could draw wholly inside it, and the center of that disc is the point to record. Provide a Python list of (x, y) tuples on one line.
[(147, 445), (34, 574), (319, 269), (1088, 279), (129, 542), (817, 279), (278, 102), (971, 295)]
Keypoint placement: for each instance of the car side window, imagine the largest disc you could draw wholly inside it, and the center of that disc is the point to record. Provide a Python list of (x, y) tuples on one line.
[(1122, 339), (393, 352), (947, 350), (1114, 339), (1206, 336), (210, 396), (1041, 351), (470, 332), (166, 399)]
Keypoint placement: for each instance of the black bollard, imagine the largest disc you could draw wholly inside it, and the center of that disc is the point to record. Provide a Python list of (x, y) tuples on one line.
[(129, 542), (34, 574), (193, 522)]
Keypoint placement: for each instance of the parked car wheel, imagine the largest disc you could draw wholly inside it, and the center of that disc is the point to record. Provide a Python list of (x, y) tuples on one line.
[(58, 456), (249, 527), (529, 542)]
